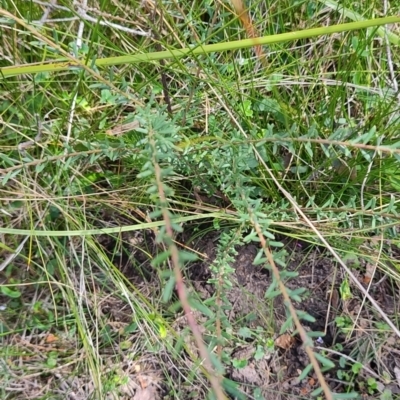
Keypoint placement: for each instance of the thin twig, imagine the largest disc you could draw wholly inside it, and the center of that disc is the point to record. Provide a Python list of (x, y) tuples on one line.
[(381, 241), (49, 5), (46, 13), (29, 143), (84, 15), (18, 250), (56, 20)]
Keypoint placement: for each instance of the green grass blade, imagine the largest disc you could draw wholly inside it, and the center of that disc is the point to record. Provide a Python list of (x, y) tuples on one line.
[(63, 64)]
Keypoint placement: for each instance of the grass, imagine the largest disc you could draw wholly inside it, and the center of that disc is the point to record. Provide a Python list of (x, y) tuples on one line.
[(303, 146)]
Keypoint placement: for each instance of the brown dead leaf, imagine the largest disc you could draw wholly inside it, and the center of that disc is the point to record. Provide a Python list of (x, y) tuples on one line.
[(51, 338), (285, 341), (251, 31), (366, 279), (123, 128)]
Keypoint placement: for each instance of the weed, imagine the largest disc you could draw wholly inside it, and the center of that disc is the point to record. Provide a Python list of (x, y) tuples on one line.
[(148, 207)]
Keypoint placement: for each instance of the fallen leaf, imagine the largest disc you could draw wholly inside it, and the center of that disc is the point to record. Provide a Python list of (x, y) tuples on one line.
[(284, 341), (366, 279), (51, 338)]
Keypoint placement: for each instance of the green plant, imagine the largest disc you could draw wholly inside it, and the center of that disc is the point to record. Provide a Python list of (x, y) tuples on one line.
[(121, 137)]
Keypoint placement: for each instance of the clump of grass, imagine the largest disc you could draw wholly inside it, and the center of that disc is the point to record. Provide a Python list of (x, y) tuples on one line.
[(299, 138)]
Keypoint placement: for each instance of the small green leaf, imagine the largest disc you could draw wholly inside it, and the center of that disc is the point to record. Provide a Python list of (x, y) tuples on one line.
[(40, 167), (275, 244), (51, 362), (145, 174), (250, 237), (260, 353), (316, 392), (346, 396), (9, 175), (305, 372), (177, 227), (260, 258), (197, 305), (239, 363), (7, 159), (315, 334), (270, 294), (162, 331), (372, 383), (356, 367), (185, 256), (305, 316), (245, 332), (168, 288), (324, 361), (309, 149), (233, 389), (386, 395), (125, 345), (247, 107), (160, 258), (269, 235), (257, 394), (286, 325), (14, 294), (345, 290), (131, 328)]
